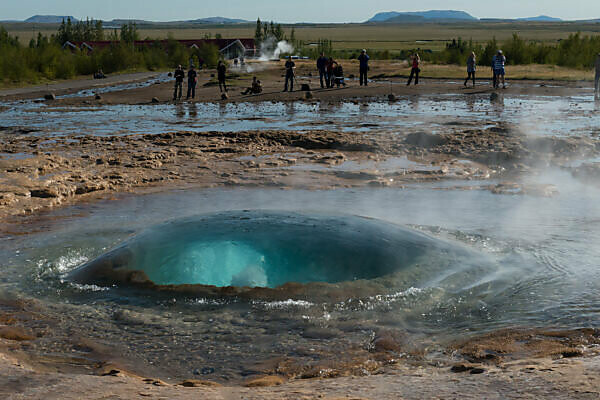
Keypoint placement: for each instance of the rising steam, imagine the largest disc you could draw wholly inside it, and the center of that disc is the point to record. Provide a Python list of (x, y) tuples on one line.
[(271, 49)]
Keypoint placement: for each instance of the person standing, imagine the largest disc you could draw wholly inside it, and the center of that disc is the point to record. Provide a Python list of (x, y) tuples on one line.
[(330, 66), (322, 67), (192, 79), (494, 77), (289, 74), (179, 75), (597, 80), (364, 67), (471, 67), (499, 72), (414, 72), (221, 75)]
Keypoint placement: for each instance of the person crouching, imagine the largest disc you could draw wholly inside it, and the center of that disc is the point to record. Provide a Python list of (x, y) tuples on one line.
[(256, 87)]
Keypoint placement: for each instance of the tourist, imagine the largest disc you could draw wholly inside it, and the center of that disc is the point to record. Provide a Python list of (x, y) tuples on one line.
[(99, 75), (414, 72), (498, 64), (597, 80), (221, 75), (192, 79), (364, 66), (256, 87), (338, 75), (471, 67), (322, 68), (179, 75), (290, 73), (330, 66)]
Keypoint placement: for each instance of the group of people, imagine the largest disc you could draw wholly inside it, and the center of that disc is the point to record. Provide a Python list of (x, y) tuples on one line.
[(498, 69), (179, 76), (331, 73), (192, 76)]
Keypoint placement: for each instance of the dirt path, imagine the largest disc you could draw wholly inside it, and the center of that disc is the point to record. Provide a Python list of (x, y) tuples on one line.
[(75, 85)]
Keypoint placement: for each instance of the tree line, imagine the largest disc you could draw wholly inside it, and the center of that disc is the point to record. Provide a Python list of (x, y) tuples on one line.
[(46, 59), (576, 51)]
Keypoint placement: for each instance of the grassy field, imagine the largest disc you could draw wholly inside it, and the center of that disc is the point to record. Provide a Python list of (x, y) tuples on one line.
[(356, 36)]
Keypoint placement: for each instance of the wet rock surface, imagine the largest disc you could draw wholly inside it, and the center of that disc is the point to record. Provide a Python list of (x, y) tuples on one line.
[(47, 352), (48, 173)]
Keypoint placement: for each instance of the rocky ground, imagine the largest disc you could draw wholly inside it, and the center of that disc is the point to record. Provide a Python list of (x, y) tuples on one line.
[(534, 378), (38, 174)]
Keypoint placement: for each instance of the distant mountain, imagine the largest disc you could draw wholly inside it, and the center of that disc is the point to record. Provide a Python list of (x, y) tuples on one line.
[(541, 18), (49, 19), (218, 20), (433, 15), (119, 22)]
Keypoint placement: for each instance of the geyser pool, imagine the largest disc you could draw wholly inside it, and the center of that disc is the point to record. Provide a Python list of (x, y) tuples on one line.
[(265, 249)]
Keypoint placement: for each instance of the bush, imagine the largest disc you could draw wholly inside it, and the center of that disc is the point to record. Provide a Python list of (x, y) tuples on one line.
[(46, 59)]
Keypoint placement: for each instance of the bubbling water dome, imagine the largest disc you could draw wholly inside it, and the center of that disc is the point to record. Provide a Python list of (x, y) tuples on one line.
[(266, 250)]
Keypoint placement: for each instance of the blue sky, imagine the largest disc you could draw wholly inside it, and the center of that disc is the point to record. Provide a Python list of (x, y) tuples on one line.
[(291, 10)]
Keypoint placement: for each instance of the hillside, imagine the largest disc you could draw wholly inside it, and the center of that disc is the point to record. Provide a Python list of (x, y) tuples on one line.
[(218, 20), (542, 18), (432, 15), (49, 19)]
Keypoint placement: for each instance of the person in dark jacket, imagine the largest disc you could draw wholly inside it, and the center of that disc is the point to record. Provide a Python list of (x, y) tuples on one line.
[(290, 74), (192, 79), (256, 88), (322, 67), (329, 68), (179, 75), (221, 74), (364, 67), (338, 75)]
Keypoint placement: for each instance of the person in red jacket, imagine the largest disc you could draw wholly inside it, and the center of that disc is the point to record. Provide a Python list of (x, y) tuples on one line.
[(414, 72)]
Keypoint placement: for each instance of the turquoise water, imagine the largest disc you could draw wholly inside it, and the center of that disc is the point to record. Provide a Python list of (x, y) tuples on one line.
[(270, 249)]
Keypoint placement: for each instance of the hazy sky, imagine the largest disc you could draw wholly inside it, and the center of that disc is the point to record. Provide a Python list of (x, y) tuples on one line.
[(290, 10)]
